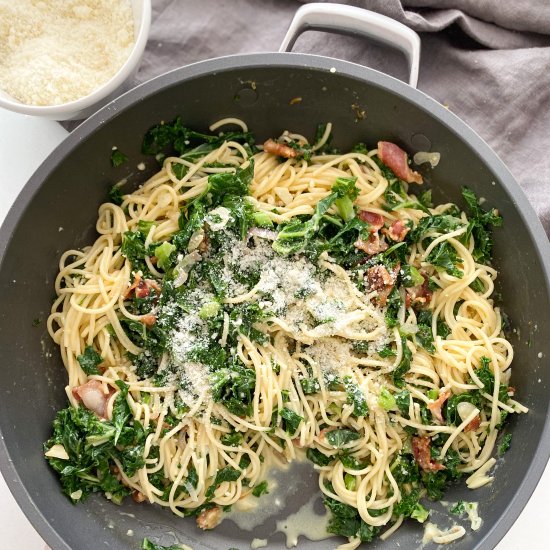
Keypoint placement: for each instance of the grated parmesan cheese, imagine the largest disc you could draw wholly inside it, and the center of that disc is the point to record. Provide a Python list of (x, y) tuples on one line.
[(56, 51)]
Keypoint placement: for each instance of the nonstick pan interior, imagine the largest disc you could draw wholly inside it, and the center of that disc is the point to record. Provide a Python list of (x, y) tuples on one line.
[(57, 210)]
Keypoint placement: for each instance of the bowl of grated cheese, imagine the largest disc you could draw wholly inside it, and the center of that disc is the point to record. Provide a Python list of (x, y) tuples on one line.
[(63, 59)]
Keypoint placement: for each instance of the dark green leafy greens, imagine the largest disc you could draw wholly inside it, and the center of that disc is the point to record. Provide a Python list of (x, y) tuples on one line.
[(118, 158), (90, 360), (92, 445)]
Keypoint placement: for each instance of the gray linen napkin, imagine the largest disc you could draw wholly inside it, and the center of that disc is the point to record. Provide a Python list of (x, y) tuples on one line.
[(487, 60)]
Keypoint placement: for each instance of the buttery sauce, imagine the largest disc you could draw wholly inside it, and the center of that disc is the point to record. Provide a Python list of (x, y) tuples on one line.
[(301, 517), (305, 522)]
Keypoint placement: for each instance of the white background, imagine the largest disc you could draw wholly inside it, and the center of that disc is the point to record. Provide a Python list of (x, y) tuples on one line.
[(24, 143)]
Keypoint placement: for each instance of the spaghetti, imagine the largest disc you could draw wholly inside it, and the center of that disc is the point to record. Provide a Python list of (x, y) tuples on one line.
[(245, 306)]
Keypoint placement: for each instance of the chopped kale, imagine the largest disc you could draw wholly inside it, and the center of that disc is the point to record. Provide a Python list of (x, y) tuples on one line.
[(290, 421), (424, 335), (296, 235), (260, 489), (479, 226), (459, 508), (118, 158), (393, 304), (341, 437), (356, 397), (347, 522), (115, 195), (505, 444), (232, 439), (192, 145), (317, 457), (310, 385), (225, 474), (403, 400), (444, 256), (404, 365), (134, 249), (450, 407), (386, 400), (92, 445), (90, 360), (148, 545), (233, 386)]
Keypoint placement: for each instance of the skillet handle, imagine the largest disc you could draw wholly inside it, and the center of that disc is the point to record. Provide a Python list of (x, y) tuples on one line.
[(344, 19)]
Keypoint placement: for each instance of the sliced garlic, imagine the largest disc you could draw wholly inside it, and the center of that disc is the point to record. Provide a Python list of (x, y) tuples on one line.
[(465, 409), (57, 451), (423, 156)]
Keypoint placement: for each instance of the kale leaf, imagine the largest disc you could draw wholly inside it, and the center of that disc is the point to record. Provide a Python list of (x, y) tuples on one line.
[(92, 445), (148, 545), (291, 421), (317, 457), (90, 360), (260, 489), (347, 522), (480, 226), (404, 365), (118, 158), (340, 438), (356, 397), (192, 145), (225, 474)]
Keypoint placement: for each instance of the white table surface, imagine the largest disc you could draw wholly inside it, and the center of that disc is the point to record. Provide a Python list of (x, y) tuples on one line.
[(24, 143)]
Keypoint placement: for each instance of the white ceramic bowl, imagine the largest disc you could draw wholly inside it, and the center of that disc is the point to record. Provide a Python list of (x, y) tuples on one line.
[(85, 106)]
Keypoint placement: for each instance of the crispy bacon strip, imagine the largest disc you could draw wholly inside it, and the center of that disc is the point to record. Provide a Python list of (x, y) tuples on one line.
[(138, 497), (397, 231), (436, 406), (93, 397), (420, 294), (208, 519), (396, 160), (372, 246), (422, 454), (379, 277), (376, 221), (141, 288), (473, 425), (149, 319), (135, 284), (382, 280), (280, 149)]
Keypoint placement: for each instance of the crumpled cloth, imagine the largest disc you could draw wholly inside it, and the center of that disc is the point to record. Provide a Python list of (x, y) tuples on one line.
[(488, 61)]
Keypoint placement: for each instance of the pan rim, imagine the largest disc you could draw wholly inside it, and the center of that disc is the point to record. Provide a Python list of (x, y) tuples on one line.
[(303, 62)]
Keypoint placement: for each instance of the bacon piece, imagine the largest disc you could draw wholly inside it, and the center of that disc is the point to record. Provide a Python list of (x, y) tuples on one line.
[(473, 425), (376, 221), (208, 519), (379, 277), (135, 284), (372, 246), (422, 454), (142, 287), (420, 294), (149, 319), (435, 406), (138, 497), (93, 397), (280, 149), (142, 290), (397, 161), (382, 280), (397, 231)]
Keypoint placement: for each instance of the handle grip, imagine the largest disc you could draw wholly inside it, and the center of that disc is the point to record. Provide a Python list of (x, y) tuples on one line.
[(344, 19)]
